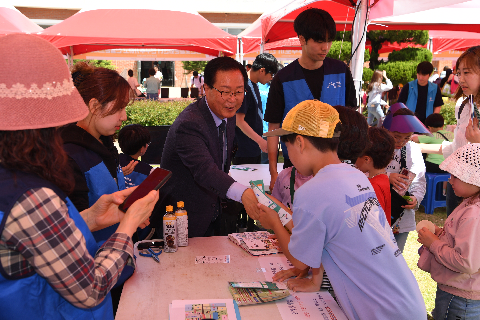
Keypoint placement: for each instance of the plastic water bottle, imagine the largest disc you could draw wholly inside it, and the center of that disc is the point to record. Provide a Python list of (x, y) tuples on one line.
[(182, 224), (170, 231)]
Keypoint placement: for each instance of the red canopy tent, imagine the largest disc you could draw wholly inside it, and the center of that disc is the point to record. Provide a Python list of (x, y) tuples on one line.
[(13, 21), (453, 40), (101, 29), (384, 14)]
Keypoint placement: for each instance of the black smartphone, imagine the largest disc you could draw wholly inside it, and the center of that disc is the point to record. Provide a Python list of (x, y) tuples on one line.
[(155, 180), (150, 244)]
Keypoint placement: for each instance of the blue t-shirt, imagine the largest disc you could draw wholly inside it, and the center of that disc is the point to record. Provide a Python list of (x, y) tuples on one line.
[(264, 88), (339, 222)]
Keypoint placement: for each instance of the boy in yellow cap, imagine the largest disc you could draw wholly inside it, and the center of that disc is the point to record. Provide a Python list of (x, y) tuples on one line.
[(338, 222)]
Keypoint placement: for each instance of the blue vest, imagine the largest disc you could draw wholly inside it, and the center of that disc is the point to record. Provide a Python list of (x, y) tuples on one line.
[(139, 173), (413, 96), (296, 90), (31, 296), (99, 181)]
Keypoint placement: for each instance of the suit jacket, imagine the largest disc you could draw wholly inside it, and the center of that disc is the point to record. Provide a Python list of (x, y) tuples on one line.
[(192, 152)]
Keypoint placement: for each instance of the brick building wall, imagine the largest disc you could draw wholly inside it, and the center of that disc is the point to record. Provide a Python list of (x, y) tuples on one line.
[(122, 67), (47, 13), (214, 17)]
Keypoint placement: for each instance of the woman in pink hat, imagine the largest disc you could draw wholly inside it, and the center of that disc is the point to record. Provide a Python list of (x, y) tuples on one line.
[(51, 266)]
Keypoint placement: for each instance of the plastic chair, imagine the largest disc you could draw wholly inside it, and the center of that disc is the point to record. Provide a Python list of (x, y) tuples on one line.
[(434, 197)]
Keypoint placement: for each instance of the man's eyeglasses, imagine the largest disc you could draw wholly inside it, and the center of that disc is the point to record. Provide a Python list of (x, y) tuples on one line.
[(227, 94)]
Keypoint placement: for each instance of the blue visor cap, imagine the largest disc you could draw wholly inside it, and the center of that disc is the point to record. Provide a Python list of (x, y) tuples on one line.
[(404, 123)]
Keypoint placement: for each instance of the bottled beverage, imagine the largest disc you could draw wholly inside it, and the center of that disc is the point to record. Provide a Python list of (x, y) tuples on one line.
[(170, 230), (182, 224)]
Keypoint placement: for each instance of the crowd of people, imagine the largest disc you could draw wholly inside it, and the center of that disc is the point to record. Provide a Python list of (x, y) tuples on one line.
[(64, 241)]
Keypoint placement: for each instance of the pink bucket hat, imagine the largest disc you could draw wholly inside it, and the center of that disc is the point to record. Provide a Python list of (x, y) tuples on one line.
[(36, 88)]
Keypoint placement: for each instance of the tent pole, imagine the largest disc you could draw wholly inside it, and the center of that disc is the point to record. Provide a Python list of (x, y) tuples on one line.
[(262, 47), (241, 50), (238, 50), (70, 57), (358, 41)]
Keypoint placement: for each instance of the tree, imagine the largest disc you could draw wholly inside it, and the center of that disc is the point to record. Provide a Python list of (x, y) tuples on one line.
[(378, 37), (191, 66), (341, 50), (97, 63)]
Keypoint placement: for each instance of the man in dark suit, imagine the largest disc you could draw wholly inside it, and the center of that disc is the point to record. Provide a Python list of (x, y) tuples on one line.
[(198, 152)]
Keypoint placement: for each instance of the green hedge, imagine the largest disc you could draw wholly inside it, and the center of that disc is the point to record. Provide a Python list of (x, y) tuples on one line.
[(411, 54), (448, 112), (400, 71), (154, 113)]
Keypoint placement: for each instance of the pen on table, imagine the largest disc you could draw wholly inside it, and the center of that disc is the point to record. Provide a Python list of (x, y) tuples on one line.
[(154, 256)]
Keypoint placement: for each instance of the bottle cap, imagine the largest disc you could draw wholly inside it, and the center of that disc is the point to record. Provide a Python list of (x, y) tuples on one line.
[(169, 208), (180, 204)]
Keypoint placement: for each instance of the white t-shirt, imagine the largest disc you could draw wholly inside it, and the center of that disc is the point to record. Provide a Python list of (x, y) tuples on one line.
[(198, 81), (159, 75), (338, 222), (415, 164)]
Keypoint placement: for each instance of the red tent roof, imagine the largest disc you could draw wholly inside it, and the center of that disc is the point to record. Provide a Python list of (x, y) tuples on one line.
[(453, 40), (102, 29), (386, 14), (13, 21)]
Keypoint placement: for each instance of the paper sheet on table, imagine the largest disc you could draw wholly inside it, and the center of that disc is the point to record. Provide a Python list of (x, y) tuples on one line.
[(177, 307), (274, 264), (212, 259), (243, 168), (301, 305), (310, 305)]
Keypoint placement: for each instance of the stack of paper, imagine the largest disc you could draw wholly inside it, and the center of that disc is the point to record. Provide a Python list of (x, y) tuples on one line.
[(245, 293), (256, 243)]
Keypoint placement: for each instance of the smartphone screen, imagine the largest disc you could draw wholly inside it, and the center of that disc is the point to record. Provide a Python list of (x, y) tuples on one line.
[(155, 180)]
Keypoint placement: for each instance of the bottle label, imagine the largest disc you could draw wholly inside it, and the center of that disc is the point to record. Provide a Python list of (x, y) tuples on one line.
[(182, 225), (170, 234)]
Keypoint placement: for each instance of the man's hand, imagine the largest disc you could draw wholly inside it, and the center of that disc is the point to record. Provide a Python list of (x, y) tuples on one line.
[(273, 179), (250, 202), (411, 204), (262, 143), (472, 132), (426, 237), (129, 167)]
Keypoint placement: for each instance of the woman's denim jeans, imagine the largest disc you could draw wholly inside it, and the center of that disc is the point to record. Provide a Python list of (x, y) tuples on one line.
[(375, 112), (451, 307)]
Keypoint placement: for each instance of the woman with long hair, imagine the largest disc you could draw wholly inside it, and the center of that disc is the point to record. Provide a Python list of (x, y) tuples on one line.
[(374, 91), (51, 266)]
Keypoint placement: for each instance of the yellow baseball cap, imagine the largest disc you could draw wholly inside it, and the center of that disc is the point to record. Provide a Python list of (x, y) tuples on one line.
[(309, 118)]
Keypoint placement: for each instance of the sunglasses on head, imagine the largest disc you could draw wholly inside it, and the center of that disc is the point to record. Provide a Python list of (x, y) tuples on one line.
[(150, 244)]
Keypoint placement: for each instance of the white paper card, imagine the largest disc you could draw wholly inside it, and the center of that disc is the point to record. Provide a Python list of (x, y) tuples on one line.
[(212, 259)]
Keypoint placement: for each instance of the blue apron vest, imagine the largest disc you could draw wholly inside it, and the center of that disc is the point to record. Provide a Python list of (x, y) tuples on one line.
[(296, 90), (99, 181), (31, 297), (413, 96)]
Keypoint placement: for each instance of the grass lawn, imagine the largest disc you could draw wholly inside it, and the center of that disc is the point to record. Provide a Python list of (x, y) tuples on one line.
[(428, 287)]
